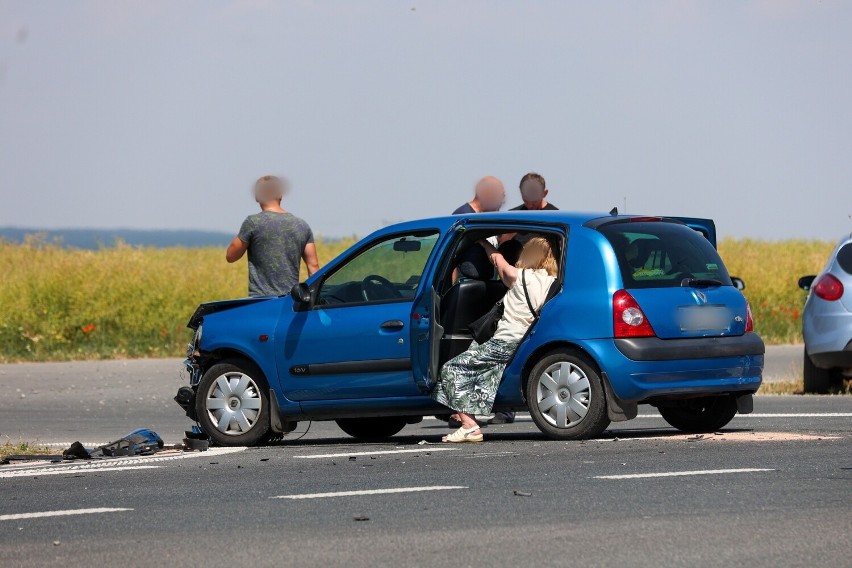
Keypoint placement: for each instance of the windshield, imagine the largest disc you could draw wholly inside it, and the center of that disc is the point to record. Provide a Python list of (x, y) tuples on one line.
[(662, 255)]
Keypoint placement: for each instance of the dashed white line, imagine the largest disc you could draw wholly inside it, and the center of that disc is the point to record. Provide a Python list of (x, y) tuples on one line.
[(376, 453), (64, 513), (371, 492), (681, 473)]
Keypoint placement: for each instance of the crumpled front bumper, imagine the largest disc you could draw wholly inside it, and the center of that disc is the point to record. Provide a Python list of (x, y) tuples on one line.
[(185, 396)]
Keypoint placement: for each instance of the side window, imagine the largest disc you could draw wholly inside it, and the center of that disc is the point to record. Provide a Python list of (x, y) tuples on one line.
[(388, 270), (844, 258)]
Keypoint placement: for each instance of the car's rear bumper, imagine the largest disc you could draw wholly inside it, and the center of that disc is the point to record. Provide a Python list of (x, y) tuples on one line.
[(833, 359), (656, 349), (638, 380)]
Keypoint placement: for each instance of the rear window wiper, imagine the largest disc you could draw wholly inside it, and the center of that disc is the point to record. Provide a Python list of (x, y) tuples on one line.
[(700, 282)]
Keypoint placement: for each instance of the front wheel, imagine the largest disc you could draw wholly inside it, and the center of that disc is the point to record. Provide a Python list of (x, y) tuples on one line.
[(372, 428), (705, 414), (566, 398), (232, 403)]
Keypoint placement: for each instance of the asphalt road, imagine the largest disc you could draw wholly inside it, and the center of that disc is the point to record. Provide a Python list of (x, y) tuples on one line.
[(99, 401), (774, 489)]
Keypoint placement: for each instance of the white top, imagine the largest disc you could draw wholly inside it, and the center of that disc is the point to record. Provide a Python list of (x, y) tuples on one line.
[(517, 317)]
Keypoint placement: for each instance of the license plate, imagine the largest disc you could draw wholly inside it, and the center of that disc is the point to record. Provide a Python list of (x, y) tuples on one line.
[(704, 318)]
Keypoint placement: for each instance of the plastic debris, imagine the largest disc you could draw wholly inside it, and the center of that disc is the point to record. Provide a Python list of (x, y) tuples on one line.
[(76, 452)]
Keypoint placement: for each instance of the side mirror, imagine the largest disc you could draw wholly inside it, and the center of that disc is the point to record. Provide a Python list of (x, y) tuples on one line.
[(806, 281), (738, 283), (301, 296)]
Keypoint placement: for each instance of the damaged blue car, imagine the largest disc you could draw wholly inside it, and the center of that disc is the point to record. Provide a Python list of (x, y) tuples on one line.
[(643, 312)]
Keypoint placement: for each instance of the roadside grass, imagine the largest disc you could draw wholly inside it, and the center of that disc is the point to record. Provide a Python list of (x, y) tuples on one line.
[(771, 270), (798, 387), (117, 302), (23, 449), (125, 302)]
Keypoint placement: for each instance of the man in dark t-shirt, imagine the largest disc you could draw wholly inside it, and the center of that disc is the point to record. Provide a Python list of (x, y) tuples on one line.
[(276, 241), (489, 195), (534, 193)]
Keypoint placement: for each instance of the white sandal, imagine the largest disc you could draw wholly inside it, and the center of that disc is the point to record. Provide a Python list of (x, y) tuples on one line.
[(463, 435)]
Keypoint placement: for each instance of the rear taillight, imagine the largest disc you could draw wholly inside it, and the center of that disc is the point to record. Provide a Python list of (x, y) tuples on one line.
[(749, 319), (628, 319), (828, 287)]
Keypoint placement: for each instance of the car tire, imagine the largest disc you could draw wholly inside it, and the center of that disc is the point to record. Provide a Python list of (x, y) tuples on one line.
[(704, 414), (818, 381), (565, 396), (372, 428), (232, 403)]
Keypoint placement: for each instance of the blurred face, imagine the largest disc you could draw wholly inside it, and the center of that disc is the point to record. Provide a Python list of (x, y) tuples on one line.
[(491, 194), (532, 190), (269, 190)]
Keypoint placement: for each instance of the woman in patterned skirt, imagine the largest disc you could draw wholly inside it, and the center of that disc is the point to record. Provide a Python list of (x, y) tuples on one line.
[(469, 382)]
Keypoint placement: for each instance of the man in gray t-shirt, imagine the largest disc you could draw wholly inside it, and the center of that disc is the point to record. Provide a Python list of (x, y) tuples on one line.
[(276, 240)]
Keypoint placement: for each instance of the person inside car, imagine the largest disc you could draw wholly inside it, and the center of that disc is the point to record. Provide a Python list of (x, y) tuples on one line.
[(534, 194), (468, 383)]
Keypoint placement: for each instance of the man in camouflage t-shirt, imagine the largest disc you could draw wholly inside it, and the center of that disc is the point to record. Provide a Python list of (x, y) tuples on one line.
[(276, 240)]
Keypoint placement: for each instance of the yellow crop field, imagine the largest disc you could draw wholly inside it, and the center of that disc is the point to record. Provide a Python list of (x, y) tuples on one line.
[(122, 301)]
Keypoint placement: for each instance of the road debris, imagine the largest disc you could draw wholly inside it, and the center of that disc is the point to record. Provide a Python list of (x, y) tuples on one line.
[(360, 518), (521, 493)]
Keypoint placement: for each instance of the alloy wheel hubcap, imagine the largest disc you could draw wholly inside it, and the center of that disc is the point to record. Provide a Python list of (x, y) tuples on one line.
[(563, 394), (233, 403)]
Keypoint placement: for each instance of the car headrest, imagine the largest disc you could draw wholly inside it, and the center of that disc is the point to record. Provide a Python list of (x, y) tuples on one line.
[(474, 264)]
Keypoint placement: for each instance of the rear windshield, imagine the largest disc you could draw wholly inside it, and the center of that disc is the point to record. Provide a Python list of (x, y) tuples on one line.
[(661, 255), (844, 258)]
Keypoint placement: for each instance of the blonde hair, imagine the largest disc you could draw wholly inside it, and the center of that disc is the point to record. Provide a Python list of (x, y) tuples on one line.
[(538, 254)]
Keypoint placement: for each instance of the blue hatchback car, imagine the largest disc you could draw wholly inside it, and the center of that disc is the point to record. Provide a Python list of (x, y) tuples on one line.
[(643, 312)]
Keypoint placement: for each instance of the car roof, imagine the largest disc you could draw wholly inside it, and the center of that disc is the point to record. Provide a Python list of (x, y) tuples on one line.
[(559, 217)]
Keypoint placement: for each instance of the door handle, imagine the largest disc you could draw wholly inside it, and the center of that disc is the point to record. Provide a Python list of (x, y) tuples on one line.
[(393, 325)]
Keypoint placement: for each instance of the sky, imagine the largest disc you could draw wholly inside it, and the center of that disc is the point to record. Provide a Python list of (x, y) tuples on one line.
[(160, 115)]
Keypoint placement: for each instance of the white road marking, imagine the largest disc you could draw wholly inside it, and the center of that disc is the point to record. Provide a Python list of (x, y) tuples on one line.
[(527, 418), (376, 453), (38, 472), (798, 415), (681, 473), (114, 464), (370, 492), (61, 513)]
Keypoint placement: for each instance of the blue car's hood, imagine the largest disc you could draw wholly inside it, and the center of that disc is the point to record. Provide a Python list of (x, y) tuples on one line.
[(220, 306)]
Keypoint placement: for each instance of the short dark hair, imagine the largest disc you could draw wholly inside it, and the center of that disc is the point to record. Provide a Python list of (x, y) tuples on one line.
[(535, 177)]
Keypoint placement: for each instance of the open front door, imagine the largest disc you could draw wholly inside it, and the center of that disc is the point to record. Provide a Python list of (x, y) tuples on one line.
[(426, 333)]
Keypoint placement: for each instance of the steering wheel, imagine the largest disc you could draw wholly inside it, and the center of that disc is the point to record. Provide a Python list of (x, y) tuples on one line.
[(376, 282)]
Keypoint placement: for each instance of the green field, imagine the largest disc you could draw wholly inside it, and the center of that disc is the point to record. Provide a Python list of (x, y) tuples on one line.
[(60, 304)]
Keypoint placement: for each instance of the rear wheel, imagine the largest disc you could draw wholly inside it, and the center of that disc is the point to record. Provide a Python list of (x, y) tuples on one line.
[(705, 414), (372, 428), (233, 403), (566, 398), (819, 381)]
